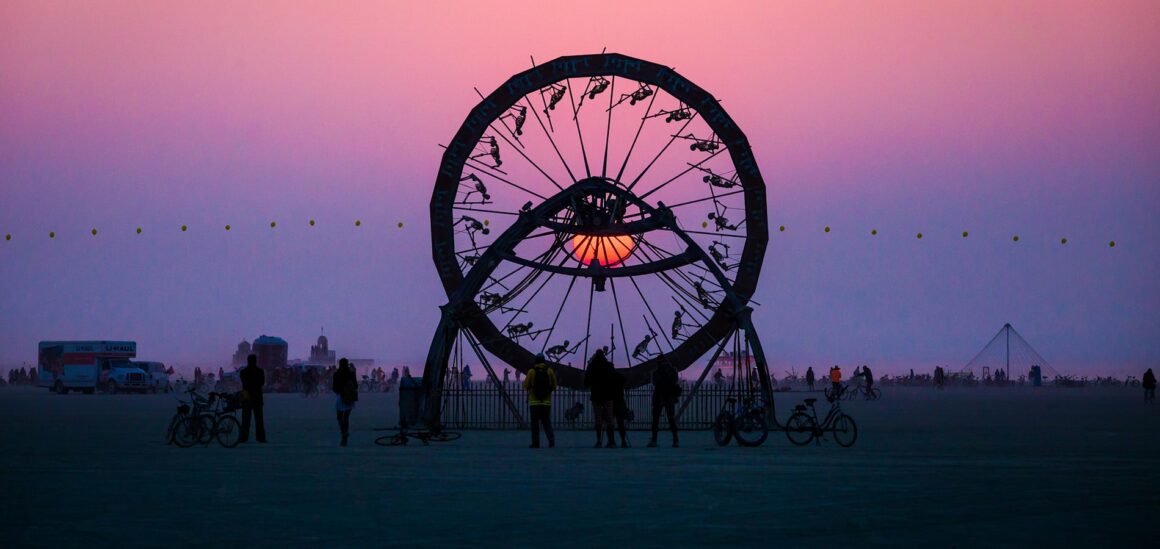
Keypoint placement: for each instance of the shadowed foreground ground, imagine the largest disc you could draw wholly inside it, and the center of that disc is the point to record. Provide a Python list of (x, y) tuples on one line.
[(1012, 467)]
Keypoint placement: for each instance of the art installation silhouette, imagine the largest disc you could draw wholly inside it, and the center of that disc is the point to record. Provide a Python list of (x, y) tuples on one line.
[(543, 237), (1009, 353)]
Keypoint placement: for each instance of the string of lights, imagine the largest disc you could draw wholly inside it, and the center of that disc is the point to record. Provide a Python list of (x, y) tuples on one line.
[(8, 237)]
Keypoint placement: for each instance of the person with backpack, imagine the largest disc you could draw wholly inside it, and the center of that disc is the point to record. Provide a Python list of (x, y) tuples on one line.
[(539, 384), (666, 391), (599, 379), (345, 387), (1149, 383)]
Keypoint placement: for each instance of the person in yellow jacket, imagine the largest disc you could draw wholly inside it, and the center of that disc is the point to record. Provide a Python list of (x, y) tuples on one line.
[(539, 384)]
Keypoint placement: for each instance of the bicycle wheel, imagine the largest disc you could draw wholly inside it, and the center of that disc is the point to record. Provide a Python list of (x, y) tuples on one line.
[(845, 431), (205, 434), (228, 431), (751, 429), (875, 393), (800, 428), (171, 431), (445, 436), (852, 393), (723, 429), (391, 440), (187, 432)]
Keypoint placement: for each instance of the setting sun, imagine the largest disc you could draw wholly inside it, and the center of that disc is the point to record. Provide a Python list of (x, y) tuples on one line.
[(607, 251)]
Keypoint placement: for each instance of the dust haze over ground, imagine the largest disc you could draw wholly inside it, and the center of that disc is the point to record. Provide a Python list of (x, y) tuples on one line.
[(984, 466), (993, 117)]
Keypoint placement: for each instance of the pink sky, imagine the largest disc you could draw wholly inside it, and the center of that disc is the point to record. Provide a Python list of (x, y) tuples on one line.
[(1036, 118)]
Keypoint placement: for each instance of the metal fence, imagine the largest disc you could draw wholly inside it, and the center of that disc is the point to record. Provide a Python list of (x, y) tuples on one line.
[(481, 406)]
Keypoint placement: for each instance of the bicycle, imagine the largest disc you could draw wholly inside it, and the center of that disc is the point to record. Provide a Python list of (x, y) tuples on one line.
[(208, 419), (175, 423), (803, 427), (426, 437), (745, 422), (369, 385), (180, 432), (873, 393)]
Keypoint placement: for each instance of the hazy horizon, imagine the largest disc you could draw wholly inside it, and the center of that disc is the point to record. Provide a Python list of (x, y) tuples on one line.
[(1036, 119)]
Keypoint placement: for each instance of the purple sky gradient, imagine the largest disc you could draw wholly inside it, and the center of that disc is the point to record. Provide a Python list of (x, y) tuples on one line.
[(1040, 119)]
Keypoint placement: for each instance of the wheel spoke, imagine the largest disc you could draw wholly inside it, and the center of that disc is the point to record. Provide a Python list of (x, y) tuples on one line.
[(500, 212), (549, 136), (552, 328), (608, 128), (662, 152), (588, 329), (490, 172), (682, 173), (650, 312), (620, 320), (526, 157), (623, 165), (580, 134)]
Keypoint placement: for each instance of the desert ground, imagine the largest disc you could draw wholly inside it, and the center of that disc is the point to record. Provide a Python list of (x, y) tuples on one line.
[(963, 467)]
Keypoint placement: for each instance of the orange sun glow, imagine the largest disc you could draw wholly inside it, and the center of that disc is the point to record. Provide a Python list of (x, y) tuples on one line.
[(607, 251)]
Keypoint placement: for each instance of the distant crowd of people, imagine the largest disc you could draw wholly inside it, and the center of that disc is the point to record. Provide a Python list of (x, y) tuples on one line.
[(605, 385), (297, 379), (22, 376)]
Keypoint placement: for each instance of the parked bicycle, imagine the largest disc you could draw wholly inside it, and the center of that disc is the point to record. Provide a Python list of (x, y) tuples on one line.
[(204, 419), (803, 426), (186, 411), (873, 393), (175, 424), (744, 421)]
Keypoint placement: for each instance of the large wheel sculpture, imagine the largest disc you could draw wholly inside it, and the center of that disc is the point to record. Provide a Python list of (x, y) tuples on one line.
[(596, 201)]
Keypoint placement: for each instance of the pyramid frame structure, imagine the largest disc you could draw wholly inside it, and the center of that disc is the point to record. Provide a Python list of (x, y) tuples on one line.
[(1008, 348)]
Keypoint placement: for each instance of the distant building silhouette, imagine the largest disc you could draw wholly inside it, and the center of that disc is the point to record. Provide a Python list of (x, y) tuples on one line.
[(241, 354), (272, 352), (321, 353)]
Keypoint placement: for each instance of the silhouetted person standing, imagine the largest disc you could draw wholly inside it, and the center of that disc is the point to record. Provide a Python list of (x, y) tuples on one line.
[(666, 391), (345, 388), (1149, 383), (810, 377), (253, 379), (598, 378), (619, 407), (539, 384)]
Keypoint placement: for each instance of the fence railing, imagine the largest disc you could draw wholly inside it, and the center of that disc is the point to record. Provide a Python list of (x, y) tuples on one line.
[(481, 406)]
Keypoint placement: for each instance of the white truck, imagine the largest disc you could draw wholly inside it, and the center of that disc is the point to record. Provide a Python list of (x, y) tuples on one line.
[(64, 366), (158, 376)]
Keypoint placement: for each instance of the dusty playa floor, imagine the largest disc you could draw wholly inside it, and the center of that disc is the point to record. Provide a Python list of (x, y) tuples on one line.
[(1052, 467)]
